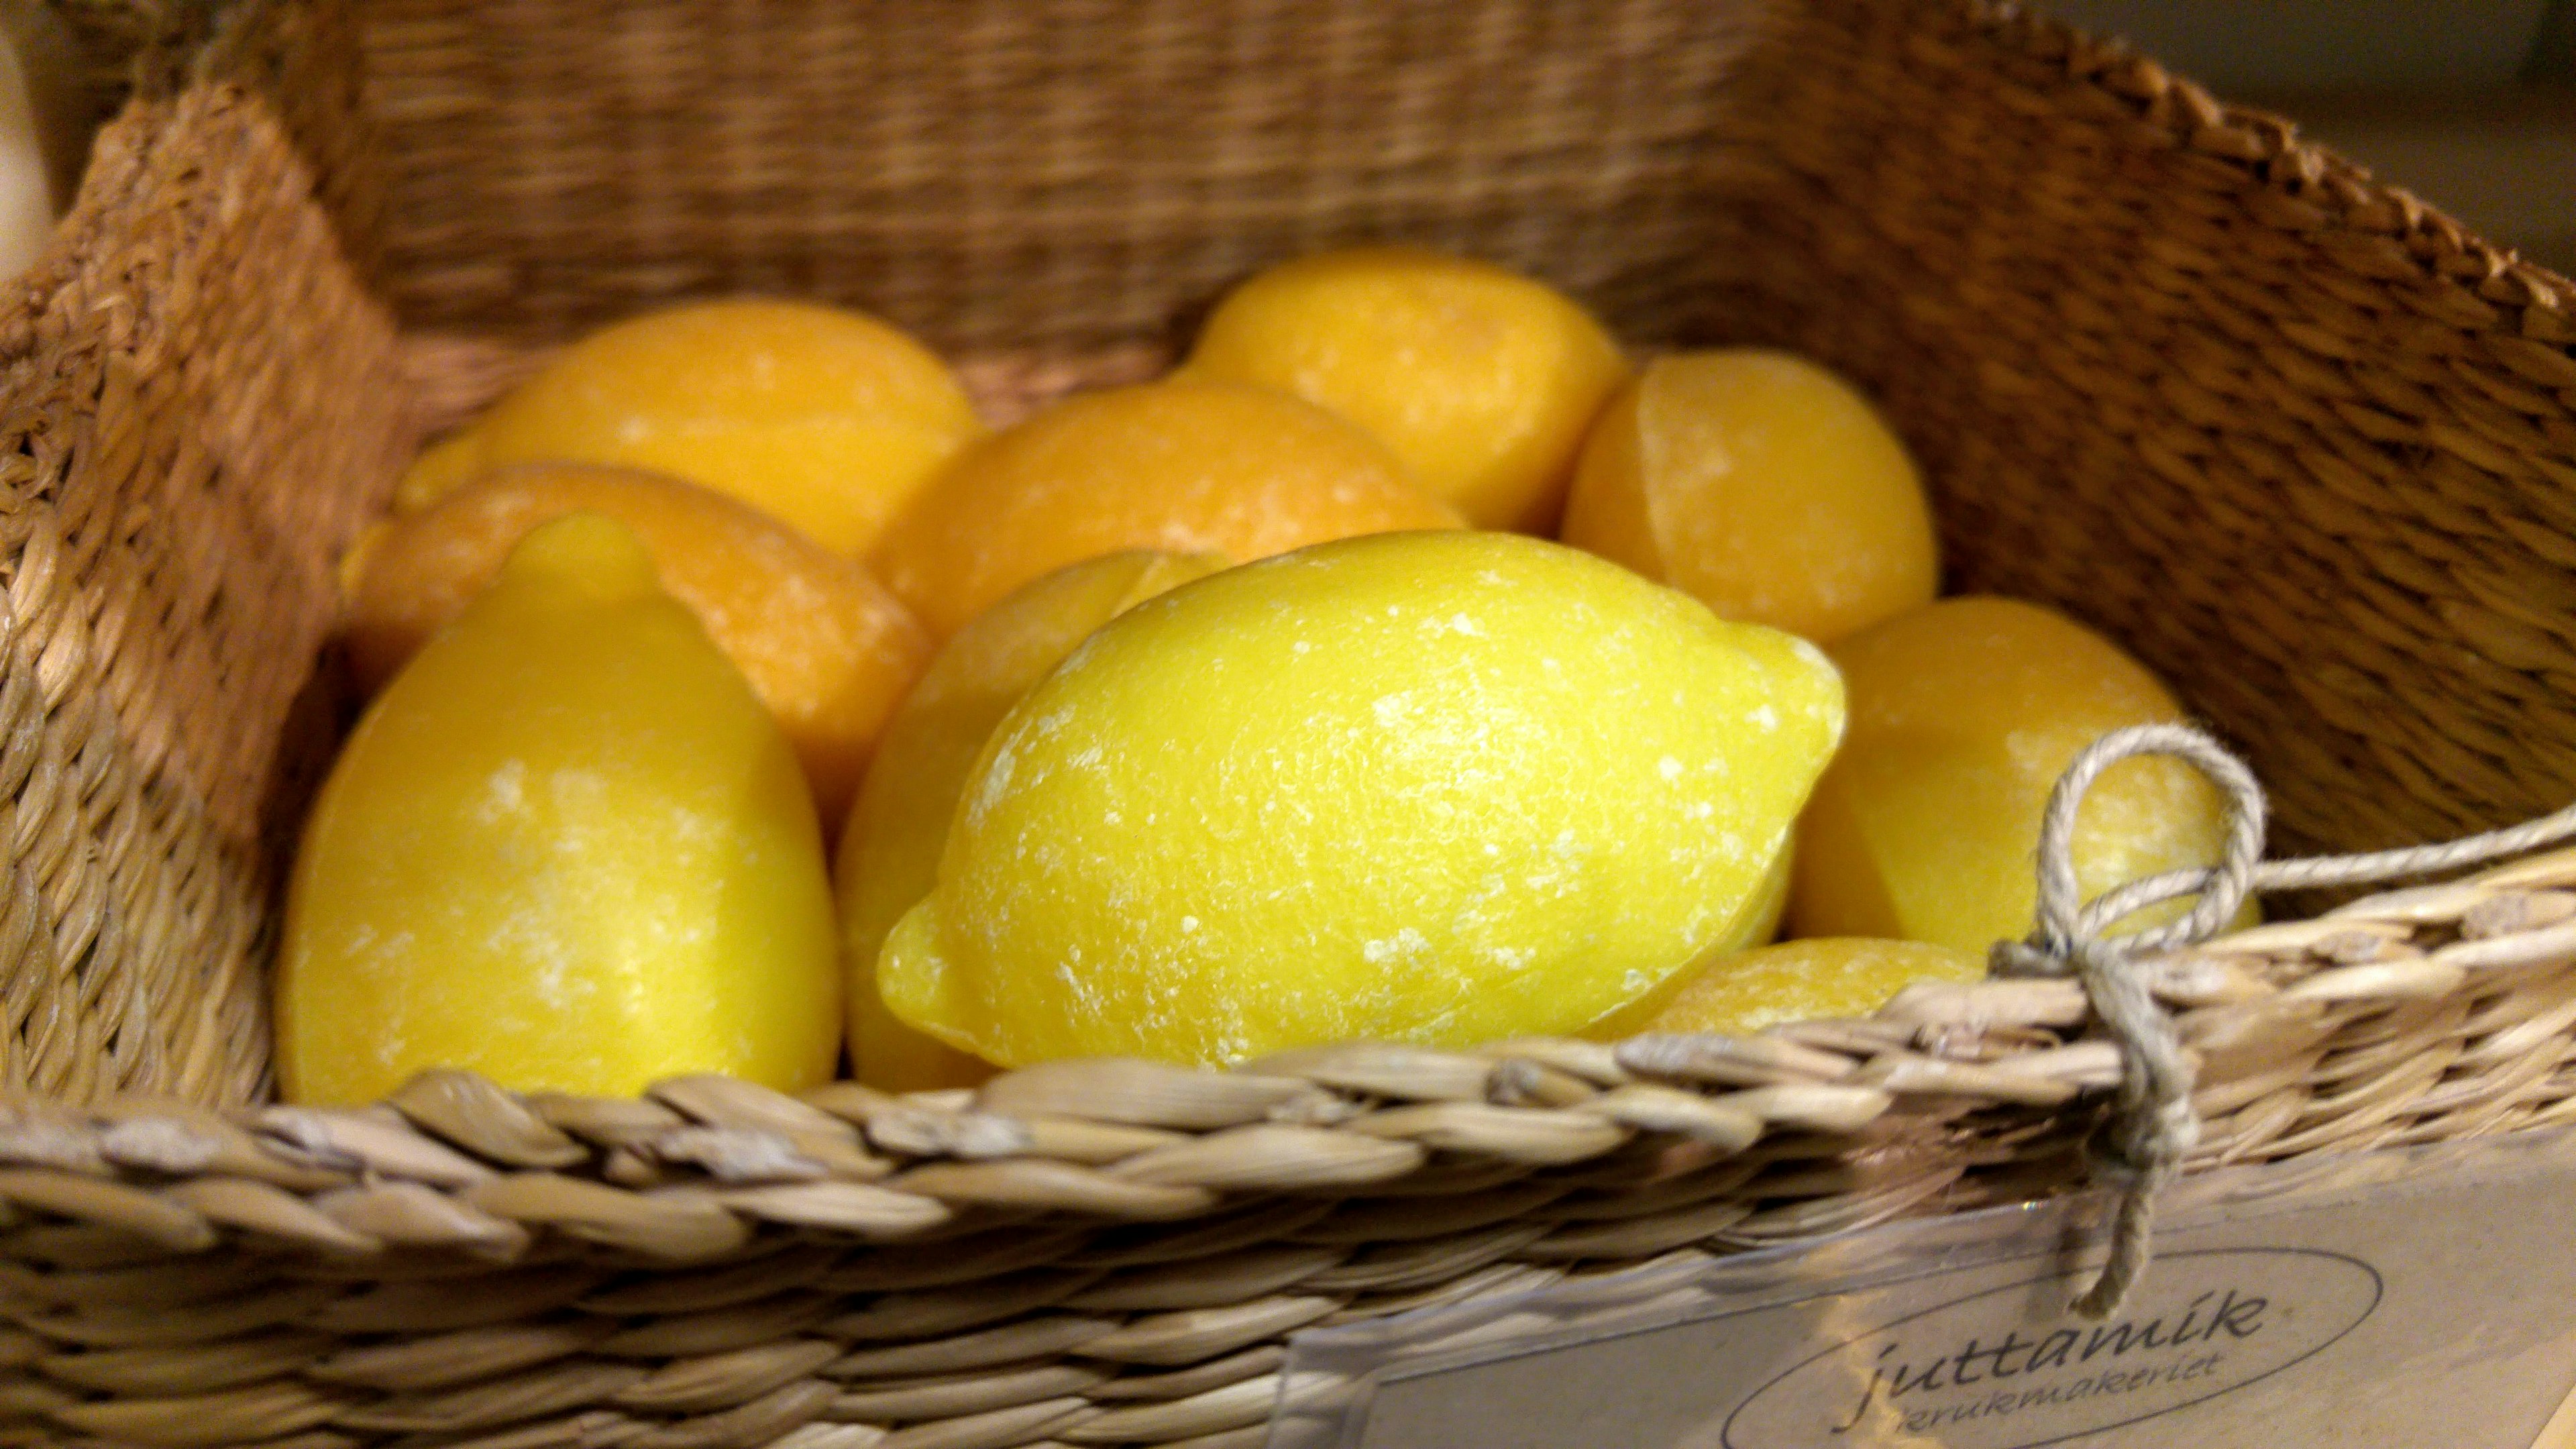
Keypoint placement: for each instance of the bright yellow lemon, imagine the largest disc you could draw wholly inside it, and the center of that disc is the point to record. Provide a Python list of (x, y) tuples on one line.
[(818, 638), (565, 848), (889, 852), (1428, 787)]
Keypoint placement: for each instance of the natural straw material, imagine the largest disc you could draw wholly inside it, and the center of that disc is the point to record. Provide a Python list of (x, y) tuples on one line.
[(2300, 442), (1111, 1252), (195, 421)]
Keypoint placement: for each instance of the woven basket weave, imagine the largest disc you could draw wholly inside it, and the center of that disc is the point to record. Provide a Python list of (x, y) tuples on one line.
[(2306, 446)]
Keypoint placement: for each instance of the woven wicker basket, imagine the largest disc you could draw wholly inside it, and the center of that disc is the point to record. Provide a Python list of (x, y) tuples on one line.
[(2305, 445)]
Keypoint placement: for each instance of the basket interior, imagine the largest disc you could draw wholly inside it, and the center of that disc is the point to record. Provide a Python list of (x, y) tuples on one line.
[(2205, 387), (2305, 446), (2302, 444)]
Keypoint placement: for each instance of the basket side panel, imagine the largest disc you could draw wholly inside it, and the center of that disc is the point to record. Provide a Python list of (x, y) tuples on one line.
[(2304, 445), (1049, 174), (201, 404), (305, 58)]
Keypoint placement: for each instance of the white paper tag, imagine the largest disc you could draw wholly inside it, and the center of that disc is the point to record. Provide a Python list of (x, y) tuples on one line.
[(2417, 1297)]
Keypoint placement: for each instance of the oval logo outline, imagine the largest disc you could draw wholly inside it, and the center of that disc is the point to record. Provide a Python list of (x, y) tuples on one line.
[(2377, 1292)]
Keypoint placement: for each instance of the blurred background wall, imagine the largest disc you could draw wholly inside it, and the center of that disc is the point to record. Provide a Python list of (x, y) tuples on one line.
[(2470, 104)]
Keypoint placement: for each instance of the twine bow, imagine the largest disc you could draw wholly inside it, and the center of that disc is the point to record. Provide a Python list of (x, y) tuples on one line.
[(2153, 1127)]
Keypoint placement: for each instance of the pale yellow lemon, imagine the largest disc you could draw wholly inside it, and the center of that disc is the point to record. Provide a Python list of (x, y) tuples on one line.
[(1481, 379), (1427, 787), (1185, 466), (820, 640), (889, 851), (828, 419), (1809, 980), (566, 848), (1963, 715), (1761, 485)]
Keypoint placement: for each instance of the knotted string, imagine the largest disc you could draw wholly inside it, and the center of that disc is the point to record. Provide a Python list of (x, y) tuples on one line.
[(2153, 1127)]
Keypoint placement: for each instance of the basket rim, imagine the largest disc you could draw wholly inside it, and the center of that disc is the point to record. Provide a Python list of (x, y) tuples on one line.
[(692, 1168)]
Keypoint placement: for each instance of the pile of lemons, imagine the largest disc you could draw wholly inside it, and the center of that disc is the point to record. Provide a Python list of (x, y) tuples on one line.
[(743, 703)]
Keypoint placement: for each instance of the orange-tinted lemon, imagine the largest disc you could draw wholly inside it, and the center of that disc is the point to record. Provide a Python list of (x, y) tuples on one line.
[(823, 644), (1185, 466), (1480, 379), (1963, 715), (1761, 485), (889, 853), (826, 418), (565, 848)]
